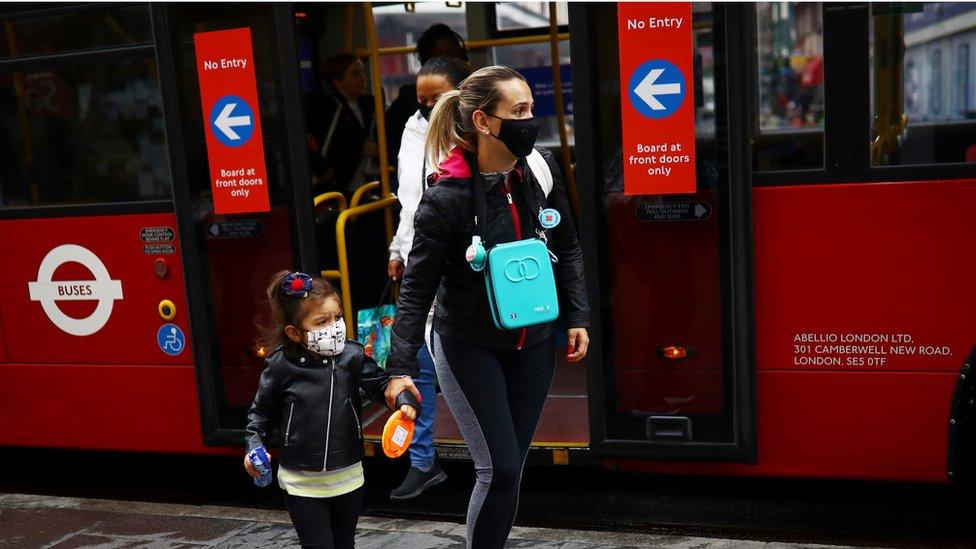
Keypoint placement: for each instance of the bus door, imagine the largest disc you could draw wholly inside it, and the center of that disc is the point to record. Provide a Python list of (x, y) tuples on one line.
[(232, 110), (669, 270)]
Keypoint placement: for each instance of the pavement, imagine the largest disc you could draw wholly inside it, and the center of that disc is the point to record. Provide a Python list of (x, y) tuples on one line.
[(43, 521)]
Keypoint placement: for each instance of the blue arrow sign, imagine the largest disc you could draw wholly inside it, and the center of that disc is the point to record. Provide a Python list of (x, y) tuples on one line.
[(657, 88), (232, 121)]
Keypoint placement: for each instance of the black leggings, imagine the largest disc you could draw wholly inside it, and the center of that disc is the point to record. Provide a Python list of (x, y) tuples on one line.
[(326, 523), (496, 396)]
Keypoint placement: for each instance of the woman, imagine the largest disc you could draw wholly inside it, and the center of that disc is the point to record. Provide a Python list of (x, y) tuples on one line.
[(438, 76), (495, 381), (341, 127)]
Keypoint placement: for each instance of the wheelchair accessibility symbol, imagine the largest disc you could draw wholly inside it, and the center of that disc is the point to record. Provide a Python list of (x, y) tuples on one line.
[(170, 339)]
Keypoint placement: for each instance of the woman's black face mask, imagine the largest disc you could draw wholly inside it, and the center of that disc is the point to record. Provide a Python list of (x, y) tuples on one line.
[(518, 134), (425, 111)]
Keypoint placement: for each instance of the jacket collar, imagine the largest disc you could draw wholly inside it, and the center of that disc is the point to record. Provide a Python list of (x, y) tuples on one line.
[(303, 357)]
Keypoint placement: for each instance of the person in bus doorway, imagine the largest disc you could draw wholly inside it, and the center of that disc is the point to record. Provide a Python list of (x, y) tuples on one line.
[(437, 41), (438, 76), (309, 393), (495, 381), (341, 129)]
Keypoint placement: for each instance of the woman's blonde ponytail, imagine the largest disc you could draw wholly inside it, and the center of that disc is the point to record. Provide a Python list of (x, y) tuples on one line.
[(442, 131)]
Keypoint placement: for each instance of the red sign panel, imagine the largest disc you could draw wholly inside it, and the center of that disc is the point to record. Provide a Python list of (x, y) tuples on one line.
[(229, 97), (657, 97)]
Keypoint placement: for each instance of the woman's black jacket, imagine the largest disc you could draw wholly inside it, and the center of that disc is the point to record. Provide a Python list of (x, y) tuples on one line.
[(310, 404), (345, 150), (444, 225)]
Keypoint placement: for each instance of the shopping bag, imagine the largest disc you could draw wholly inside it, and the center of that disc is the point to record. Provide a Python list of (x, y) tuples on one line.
[(374, 328)]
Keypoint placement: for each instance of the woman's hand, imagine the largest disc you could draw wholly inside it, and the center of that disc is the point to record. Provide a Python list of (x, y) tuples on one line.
[(579, 340), (395, 387), (250, 467), (395, 269)]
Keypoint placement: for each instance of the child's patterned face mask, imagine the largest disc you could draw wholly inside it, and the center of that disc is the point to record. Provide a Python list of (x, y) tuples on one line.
[(329, 341)]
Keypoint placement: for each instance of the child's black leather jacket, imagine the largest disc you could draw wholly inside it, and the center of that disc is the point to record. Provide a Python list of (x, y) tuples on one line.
[(312, 403)]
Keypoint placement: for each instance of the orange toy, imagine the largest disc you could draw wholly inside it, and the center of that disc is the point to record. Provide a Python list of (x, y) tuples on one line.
[(397, 434)]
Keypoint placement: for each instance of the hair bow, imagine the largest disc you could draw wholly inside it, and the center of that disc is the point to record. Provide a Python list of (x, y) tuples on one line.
[(296, 284)]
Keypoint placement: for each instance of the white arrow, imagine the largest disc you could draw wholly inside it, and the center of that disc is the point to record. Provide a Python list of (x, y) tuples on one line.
[(226, 123), (647, 89), (699, 210)]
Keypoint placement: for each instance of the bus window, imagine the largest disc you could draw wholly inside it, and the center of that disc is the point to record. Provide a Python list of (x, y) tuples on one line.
[(519, 16), (960, 88), (790, 129), (396, 27), (80, 128), (922, 111), (96, 27)]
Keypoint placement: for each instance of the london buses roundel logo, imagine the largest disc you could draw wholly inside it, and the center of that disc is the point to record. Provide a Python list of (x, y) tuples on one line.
[(103, 289)]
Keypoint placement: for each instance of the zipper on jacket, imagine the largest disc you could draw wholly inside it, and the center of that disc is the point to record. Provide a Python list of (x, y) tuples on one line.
[(328, 422), (518, 236), (291, 410), (355, 416)]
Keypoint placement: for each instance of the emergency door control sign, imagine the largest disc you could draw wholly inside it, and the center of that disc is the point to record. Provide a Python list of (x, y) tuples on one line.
[(657, 97), (229, 96)]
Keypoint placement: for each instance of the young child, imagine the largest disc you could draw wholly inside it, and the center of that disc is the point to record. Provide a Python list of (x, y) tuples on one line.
[(309, 391)]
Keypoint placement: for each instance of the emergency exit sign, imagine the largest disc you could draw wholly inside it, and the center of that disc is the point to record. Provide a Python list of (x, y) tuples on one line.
[(232, 121), (657, 97)]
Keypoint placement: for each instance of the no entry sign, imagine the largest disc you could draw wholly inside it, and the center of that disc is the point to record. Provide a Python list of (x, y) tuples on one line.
[(657, 97), (229, 96)]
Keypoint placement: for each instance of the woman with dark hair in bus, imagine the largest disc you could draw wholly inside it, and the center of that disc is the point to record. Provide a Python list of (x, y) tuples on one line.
[(495, 381), (341, 128), (438, 40), (438, 76)]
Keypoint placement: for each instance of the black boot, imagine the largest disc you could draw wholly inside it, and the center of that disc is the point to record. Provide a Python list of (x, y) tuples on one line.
[(417, 481)]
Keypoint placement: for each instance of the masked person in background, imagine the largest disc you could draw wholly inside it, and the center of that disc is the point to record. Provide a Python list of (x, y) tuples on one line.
[(495, 381), (438, 76), (437, 41)]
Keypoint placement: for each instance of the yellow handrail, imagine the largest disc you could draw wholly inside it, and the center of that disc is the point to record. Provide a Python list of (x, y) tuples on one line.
[(380, 115), (471, 45), (365, 188), (569, 174), (350, 14), (329, 196), (342, 275)]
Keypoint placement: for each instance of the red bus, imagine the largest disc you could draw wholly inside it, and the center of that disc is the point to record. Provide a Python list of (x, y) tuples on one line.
[(807, 312)]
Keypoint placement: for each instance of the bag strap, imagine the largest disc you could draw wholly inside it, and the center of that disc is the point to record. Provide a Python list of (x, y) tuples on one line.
[(423, 171), (480, 204), (387, 296), (324, 151)]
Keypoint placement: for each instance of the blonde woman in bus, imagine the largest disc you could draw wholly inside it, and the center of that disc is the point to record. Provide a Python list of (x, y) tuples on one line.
[(495, 381), (438, 75)]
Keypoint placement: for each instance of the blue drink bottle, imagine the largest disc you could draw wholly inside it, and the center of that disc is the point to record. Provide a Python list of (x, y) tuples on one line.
[(260, 460)]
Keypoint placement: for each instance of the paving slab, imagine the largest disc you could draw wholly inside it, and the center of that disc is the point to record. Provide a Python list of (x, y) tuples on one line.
[(40, 521)]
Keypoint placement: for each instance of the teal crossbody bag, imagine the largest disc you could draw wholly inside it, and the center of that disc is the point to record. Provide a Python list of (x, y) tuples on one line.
[(519, 277)]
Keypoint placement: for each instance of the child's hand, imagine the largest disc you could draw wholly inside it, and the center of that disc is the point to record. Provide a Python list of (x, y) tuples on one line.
[(250, 467), (409, 411)]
